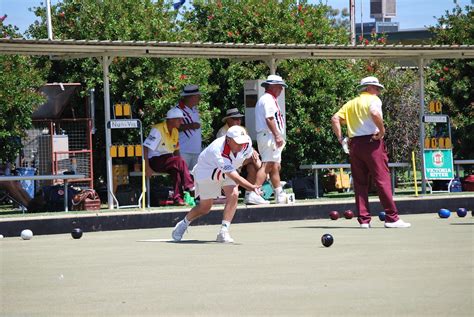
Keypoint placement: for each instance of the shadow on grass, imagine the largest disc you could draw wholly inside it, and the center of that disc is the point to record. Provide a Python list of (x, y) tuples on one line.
[(187, 241), (462, 224), (331, 227), (202, 242)]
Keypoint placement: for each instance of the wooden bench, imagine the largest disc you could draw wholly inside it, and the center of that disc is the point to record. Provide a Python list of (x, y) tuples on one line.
[(462, 162), (46, 177), (315, 167)]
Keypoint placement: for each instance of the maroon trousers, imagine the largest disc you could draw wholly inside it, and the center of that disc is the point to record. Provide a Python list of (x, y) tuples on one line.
[(177, 168), (370, 157)]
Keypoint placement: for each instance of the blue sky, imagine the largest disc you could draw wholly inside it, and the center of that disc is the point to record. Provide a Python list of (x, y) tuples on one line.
[(410, 13)]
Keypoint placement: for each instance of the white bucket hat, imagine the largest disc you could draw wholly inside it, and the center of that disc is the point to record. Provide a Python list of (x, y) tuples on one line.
[(174, 113), (238, 134), (190, 90), (274, 80), (373, 81), (232, 113)]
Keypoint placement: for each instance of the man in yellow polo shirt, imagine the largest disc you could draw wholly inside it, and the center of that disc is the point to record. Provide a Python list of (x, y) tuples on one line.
[(161, 152), (364, 119)]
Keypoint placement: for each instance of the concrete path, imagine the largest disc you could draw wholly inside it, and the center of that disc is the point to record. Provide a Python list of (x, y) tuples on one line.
[(275, 269)]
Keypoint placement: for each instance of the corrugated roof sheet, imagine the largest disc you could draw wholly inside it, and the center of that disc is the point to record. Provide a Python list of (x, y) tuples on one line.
[(257, 51)]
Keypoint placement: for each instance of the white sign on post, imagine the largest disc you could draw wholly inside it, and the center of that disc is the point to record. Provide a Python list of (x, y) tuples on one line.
[(123, 124), (435, 119)]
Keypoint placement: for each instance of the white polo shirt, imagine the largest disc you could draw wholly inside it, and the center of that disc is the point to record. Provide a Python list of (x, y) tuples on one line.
[(267, 107), (218, 159), (190, 140)]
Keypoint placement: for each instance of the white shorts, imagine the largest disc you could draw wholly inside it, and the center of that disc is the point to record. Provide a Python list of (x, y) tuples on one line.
[(267, 147), (209, 189)]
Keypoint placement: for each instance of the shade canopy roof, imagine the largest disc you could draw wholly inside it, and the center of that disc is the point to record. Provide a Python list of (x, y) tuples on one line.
[(64, 49), (270, 53)]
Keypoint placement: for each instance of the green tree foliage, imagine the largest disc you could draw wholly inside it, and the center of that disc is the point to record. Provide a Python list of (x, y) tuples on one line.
[(453, 79), (19, 97), (317, 88), (151, 85)]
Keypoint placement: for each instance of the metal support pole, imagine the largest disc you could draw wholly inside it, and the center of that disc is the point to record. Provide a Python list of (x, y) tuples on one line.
[(273, 66), (422, 125), (272, 63), (316, 183), (48, 19), (106, 60), (92, 108), (353, 23)]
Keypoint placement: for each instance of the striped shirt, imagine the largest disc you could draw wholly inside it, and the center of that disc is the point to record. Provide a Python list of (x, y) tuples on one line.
[(217, 159), (190, 140), (267, 107)]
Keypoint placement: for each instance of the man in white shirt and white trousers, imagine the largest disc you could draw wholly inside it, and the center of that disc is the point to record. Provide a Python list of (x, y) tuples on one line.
[(271, 126)]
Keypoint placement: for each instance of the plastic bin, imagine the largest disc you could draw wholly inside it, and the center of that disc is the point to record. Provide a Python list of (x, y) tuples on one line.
[(28, 185)]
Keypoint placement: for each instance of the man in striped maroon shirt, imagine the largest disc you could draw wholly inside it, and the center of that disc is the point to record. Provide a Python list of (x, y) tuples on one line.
[(190, 137)]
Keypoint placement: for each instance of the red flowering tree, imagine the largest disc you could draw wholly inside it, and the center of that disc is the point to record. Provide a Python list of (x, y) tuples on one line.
[(317, 88), (150, 85)]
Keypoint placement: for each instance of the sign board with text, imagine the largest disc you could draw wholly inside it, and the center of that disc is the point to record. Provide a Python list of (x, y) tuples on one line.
[(439, 164), (124, 124)]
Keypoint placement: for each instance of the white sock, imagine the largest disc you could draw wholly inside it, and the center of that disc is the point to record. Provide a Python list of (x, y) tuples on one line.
[(186, 221), (225, 225), (278, 190)]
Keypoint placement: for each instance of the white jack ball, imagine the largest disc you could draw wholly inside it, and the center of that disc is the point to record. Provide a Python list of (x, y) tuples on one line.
[(26, 234)]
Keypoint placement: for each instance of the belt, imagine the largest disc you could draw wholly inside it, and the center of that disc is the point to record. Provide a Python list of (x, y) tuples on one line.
[(362, 136)]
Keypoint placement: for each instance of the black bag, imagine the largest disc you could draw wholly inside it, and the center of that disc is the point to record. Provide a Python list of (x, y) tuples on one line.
[(158, 194), (54, 197), (127, 195), (304, 187)]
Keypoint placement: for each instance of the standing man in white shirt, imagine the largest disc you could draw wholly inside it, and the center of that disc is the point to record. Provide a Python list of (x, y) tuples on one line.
[(271, 126), (190, 134), (215, 171)]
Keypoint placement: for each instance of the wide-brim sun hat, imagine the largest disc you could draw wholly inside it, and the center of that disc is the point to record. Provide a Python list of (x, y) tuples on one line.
[(274, 80), (190, 90), (174, 113), (370, 81), (232, 113), (238, 134)]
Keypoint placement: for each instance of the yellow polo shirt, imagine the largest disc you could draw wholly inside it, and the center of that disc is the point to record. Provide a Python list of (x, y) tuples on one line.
[(223, 130), (160, 141), (356, 113)]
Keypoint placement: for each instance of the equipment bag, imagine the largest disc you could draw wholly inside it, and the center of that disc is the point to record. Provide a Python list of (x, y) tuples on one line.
[(54, 197), (87, 199)]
